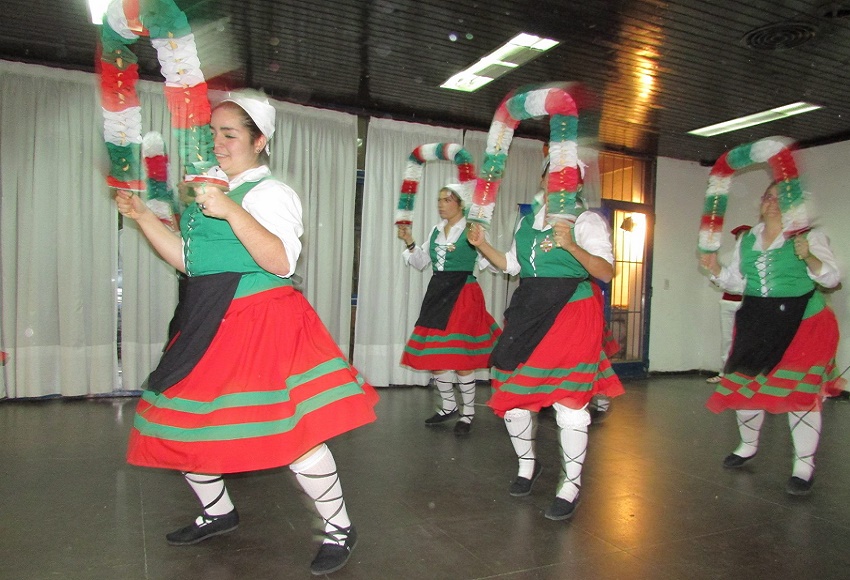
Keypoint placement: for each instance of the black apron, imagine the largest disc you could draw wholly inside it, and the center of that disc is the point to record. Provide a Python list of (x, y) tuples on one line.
[(764, 328), (534, 307), (440, 298), (195, 323)]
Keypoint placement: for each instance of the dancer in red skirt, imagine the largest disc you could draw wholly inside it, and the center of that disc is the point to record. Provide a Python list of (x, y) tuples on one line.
[(783, 351), (251, 378), (551, 352), (454, 333)]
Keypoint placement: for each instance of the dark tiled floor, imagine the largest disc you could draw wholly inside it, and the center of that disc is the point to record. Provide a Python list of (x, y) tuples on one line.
[(655, 503)]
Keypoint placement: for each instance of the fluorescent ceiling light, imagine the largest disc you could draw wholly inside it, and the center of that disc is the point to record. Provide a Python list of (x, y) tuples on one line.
[(756, 119), (97, 8), (514, 53)]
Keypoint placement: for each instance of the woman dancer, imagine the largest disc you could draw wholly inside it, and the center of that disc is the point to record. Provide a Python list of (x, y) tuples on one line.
[(782, 358), (454, 333), (251, 379), (550, 352)]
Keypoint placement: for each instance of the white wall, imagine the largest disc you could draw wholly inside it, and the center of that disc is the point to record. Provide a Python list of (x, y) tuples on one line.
[(684, 325)]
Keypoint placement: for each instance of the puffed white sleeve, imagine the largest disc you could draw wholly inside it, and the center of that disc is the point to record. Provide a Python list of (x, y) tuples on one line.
[(277, 208), (512, 267), (730, 279), (420, 256), (829, 275), (593, 235)]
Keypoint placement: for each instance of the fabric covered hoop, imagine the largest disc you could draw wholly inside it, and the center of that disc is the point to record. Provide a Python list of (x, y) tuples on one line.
[(413, 174), (561, 102), (776, 151), (185, 88)]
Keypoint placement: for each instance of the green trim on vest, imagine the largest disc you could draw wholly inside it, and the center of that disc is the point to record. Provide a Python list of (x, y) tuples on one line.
[(211, 247)]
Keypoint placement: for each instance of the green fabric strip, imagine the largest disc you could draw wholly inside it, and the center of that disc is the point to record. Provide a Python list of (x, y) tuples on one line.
[(247, 430), (715, 204), (429, 349), (740, 157), (455, 336), (318, 371)]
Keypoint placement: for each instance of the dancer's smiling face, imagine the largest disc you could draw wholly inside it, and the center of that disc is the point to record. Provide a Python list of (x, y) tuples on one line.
[(236, 141)]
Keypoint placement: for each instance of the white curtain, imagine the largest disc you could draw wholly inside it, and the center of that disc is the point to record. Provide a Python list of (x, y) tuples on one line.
[(315, 152), (390, 293), (58, 236), (59, 254)]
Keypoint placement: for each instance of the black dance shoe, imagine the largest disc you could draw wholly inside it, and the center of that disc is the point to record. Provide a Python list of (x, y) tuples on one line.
[(332, 557), (521, 486), (440, 417), (798, 486), (733, 461), (561, 509), (463, 427), (202, 528)]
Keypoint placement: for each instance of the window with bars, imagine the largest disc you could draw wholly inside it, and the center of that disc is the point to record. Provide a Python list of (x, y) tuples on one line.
[(626, 192)]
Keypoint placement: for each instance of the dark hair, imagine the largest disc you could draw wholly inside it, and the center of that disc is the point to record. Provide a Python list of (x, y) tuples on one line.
[(453, 194), (253, 131)]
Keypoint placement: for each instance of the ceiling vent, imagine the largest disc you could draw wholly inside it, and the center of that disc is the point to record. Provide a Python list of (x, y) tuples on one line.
[(781, 36)]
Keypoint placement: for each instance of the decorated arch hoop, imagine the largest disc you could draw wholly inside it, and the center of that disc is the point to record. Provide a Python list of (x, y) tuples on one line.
[(413, 175), (185, 90), (561, 103), (775, 151)]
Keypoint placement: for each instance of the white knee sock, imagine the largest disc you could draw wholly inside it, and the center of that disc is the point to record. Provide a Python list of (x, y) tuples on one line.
[(318, 478), (467, 396), (445, 386), (749, 426), (805, 432), (521, 427), (572, 432), (211, 491)]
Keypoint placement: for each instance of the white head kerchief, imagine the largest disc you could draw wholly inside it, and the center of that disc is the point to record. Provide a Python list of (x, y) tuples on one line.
[(258, 108)]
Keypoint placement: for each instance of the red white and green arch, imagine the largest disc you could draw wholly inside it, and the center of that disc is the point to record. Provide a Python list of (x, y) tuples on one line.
[(413, 175), (561, 103), (776, 152), (185, 92)]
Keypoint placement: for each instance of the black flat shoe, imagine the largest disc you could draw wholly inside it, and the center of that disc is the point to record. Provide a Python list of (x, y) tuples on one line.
[(521, 486), (733, 461), (798, 486), (561, 509), (463, 427), (440, 417), (202, 528), (332, 557)]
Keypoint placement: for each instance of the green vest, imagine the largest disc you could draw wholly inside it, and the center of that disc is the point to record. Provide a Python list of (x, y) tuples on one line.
[(211, 247), (535, 261), (777, 273), (459, 257)]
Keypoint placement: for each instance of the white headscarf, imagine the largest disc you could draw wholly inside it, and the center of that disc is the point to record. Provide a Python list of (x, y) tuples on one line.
[(258, 108)]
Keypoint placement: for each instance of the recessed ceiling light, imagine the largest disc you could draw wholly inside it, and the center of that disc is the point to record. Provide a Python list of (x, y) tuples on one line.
[(755, 119), (514, 53)]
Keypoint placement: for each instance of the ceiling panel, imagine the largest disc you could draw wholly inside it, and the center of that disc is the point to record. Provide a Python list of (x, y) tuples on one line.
[(658, 68)]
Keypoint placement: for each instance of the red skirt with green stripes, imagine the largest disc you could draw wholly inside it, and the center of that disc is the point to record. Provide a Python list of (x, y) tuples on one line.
[(465, 343), (803, 376), (569, 365), (271, 386)]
